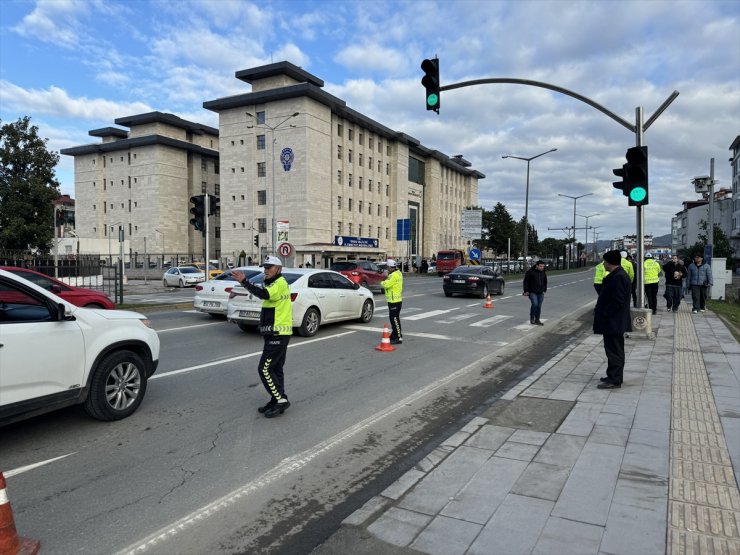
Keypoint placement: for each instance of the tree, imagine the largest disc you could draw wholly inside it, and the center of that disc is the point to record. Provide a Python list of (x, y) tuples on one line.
[(499, 227), (551, 248), (721, 245), (28, 187)]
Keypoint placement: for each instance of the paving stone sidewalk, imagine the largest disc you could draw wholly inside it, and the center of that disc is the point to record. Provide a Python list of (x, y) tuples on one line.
[(557, 466)]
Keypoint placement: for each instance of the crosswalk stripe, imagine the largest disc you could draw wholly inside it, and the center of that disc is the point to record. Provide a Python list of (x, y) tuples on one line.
[(429, 314), (490, 321), (456, 318)]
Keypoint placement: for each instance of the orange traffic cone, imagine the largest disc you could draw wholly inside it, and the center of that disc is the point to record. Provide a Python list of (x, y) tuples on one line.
[(10, 541), (385, 342), (489, 302)]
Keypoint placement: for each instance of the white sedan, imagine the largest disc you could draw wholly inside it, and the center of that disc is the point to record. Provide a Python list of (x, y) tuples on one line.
[(318, 296), (182, 276), (212, 296)]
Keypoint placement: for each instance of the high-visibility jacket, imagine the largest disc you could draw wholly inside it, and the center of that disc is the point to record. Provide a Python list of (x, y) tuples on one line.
[(652, 271), (627, 265), (276, 317), (393, 287), (599, 273)]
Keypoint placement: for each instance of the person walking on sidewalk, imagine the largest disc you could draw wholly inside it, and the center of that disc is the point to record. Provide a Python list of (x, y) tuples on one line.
[(652, 281), (535, 286), (700, 278), (674, 275), (599, 273), (276, 326), (393, 288), (612, 318)]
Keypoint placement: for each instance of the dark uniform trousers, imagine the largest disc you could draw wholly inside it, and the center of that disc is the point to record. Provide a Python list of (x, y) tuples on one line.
[(394, 313), (271, 365), (651, 296), (614, 350)]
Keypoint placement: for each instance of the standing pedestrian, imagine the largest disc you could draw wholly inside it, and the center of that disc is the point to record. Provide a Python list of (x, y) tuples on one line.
[(612, 318), (652, 281), (393, 288), (700, 278), (674, 275), (535, 286), (599, 273), (276, 326), (684, 281)]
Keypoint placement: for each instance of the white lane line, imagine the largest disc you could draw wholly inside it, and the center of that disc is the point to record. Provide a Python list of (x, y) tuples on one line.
[(429, 314), (241, 357), (426, 335), (456, 318), (22, 469), (287, 466), (490, 321), (191, 327)]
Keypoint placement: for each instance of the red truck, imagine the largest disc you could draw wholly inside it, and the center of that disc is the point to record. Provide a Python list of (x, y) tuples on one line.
[(448, 260)]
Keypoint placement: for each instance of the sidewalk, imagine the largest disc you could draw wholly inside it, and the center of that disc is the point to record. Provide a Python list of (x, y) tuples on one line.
[(559, 467)]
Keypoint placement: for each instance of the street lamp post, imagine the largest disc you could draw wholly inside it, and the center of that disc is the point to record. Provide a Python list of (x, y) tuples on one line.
[(526, 201), (162, 234), (272, 136), (587, 217), (575, 200)]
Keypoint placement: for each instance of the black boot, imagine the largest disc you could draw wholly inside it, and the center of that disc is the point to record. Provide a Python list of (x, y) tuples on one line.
[(277, 409), (267, 407)]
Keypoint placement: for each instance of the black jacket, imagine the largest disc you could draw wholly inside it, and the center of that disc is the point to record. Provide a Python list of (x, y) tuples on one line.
[(535, 281), (668, 269), (612, 312)]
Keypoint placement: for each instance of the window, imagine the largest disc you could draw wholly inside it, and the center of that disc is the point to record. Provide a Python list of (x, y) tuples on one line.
[(202, 165), (349, 204), (370, 208), (217, 189), (387, 212), (359, 159), (261, 172), (378, 235), (416, 171), (242, 169), (339, 152), (262, 225), (359, 182), (261, 117), (359, 230), (203, 187), (350, 180), (260, 142), (351, 134), (218, 232), (380, 166), (339, 203), (387, 232), (387, 189), (215, 168), (339, 129), (232, 143), (262, 198), (369, 162), (359, 206), (387, 169), (388, 150), (349, 155), (380, 146), (339, 176), (370, 142), (349, 228), (361, 138), (370, 185), (339, 228), (379, 209)]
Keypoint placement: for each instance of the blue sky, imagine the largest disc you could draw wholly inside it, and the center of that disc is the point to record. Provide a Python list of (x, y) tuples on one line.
[(76, 65)]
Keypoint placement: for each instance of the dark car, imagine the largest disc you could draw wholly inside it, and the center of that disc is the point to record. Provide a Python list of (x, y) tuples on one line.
[(78, 296), (363, 272), (473, 280)]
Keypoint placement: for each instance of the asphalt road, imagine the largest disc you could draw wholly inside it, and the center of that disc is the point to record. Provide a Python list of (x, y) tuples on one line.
[(197, 470)]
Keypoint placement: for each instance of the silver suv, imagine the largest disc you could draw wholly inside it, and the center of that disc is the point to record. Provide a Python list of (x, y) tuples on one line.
[(54, 354)]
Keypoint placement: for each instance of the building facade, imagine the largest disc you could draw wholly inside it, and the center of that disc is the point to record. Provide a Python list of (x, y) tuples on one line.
[(735, 224), (687, 225), (299, 167), (142, 180)]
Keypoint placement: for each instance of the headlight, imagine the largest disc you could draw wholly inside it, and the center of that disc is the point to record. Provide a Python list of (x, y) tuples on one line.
[(147, 323)]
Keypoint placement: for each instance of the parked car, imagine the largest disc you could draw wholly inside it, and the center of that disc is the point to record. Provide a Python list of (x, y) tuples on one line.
[(212, 296), (213, 270), (78, 296), (363, 272), (473, 280), (432, 269), (318, 296), (182, 276), (101, 359)]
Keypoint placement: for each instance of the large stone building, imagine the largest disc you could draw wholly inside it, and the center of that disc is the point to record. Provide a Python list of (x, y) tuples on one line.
[(339, 180), (142, 180)]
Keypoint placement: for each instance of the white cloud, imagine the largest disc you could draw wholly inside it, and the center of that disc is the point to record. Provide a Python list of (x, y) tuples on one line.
[(55, 21), (372, 57)]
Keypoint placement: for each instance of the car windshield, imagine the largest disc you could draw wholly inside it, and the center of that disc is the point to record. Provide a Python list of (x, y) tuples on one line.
[(467, 270), (446, 256), (227, 276), (189, 270), (343, 266), (259, 279)]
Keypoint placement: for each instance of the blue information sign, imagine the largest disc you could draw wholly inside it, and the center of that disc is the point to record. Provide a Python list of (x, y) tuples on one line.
[(474, 254), (344, 241), (403, 230)]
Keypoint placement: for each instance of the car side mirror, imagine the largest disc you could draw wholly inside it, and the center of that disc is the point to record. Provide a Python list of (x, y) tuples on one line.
[(355, 286), (55, 288)]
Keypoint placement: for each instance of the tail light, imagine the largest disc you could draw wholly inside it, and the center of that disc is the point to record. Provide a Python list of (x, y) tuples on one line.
[(293, 297), (446, 277), (228, 290), (473, 278), (355, 273), (199, 288), (234, 294)]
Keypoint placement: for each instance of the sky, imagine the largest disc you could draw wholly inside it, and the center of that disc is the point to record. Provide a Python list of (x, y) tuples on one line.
[(77, 65)]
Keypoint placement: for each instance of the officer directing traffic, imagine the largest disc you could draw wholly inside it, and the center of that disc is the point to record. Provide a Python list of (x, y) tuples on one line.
[(393, 287), (276, 326)]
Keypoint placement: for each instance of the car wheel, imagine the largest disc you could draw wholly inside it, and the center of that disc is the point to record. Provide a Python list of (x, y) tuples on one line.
[(117, 387), (501, 289), (367, 312), (164, 283), (364, 284), (310, 324), (484, 291), (245, 327), (182, 284), (448, 294)]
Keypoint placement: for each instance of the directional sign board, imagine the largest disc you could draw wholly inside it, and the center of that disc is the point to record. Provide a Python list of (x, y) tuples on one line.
[(474, 254), (403, 230), (471, 224)]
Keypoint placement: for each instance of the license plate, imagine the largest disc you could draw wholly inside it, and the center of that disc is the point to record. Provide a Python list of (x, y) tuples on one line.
[(209, 304), (249, 314), (458, 281)]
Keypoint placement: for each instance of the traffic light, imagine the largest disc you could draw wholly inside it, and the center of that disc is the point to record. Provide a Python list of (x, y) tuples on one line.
[(431, 83), (257, 240), (634, 174), (198, 211), (214, 205)]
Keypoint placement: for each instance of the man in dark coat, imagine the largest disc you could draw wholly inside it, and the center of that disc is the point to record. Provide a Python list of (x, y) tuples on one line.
[(612, 318)]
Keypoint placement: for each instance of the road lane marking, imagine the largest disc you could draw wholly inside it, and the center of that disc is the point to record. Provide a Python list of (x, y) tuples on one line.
[(430, 336), (456, 318), (490, 321), (190, 327), (429, 314), (240, 357), (22, 469)]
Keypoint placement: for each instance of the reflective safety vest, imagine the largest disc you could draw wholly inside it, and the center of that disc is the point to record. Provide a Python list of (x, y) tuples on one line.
[(652, 270), (276, 317), (393, 286), (599, 273), (627, 265)]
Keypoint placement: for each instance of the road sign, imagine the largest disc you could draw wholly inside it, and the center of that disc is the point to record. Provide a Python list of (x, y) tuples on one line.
[(403, 229), (474, 254), (285, 249), (471, 224)]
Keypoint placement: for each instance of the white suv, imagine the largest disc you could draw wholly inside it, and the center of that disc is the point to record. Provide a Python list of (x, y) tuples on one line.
[(54, 354)]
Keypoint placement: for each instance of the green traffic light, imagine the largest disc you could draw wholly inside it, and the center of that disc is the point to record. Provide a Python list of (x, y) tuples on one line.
[(432, 100), (638, 194)]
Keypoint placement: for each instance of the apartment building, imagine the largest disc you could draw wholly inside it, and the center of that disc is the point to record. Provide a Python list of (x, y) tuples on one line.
[(299, 165), (142, 179), (686, 225), (735, 224)]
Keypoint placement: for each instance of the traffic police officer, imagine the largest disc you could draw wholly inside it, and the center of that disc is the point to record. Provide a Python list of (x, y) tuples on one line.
[(652, 277), (599, 274), (393, 287), (276, 326)]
